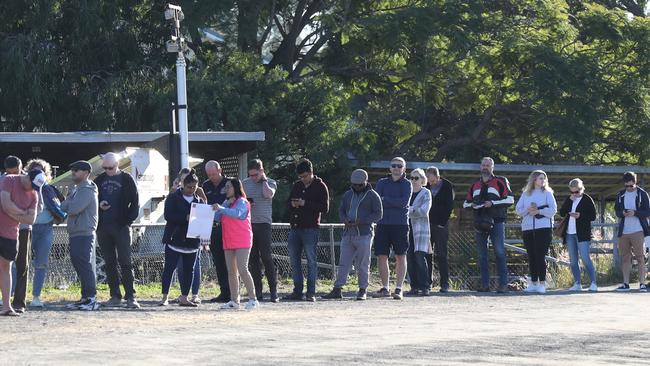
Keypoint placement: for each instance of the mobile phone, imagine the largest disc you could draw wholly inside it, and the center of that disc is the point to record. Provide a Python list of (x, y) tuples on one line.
[(626, 210)]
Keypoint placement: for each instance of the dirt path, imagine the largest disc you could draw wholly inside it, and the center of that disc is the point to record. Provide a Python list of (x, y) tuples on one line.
[(557, 328)]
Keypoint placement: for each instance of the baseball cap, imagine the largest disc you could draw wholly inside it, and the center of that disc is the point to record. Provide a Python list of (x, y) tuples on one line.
[(81, 165)]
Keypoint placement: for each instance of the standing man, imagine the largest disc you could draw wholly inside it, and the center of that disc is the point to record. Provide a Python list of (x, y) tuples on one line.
[(490, 197), (18, 201), (215, 192), (393, 229), (119, 206), (360, 209), (13, 165), (81, 207), (442, 192), (309, 198), (260, 191), (633, 208)]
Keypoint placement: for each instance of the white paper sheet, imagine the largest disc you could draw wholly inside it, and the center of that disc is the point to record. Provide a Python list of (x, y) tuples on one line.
[(201, 219)]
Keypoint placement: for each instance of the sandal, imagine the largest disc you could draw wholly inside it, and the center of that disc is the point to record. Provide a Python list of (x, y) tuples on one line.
[(188, 304), (9, 313)]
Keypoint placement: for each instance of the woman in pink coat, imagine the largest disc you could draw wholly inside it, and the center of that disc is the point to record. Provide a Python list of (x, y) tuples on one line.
[(235, 217)]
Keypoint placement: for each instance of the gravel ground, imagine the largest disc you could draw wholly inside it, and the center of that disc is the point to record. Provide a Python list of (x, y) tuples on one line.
[(458, 328)]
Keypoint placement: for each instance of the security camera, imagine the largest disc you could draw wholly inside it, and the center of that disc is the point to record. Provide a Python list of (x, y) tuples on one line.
[(172, 46), (174, 12), (209, 35)]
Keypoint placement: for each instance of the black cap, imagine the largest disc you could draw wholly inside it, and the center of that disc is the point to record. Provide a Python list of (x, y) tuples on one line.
[(81, 165)]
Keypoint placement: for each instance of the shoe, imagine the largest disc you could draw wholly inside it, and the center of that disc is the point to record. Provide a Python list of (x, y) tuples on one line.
[(310, 297), (383, 292), (230, 305), (196, 299), (642, 288), (114, 302), (426, 292), (132, 304), (531, 288), (20, 310), (444, 289), (412, 292), (576, 287), (75, 305), (541, 288), (260, 298), (36, 303), (362, 294), (274, 297), (252, 304), (89, 305), (188, 304), (334, 294), (294, 296), (593, 287), (503, 289), (483, 289), (224, 298), (397, 294), (623, 288), (164, 303)]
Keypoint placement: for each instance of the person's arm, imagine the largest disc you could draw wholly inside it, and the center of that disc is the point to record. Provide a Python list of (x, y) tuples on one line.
[(50, 203), (590, 209), (240, 211), (28, 217), (81, 200), (619, 207), (447, 200), (268, 188), (322, 204), (343, 212), (551, 210), (173, 213), (133, 199), (377, 209), (507, 198), (201, 194), (8, 206), (424, 205), (292, 194), (469, 199), (521, 208)]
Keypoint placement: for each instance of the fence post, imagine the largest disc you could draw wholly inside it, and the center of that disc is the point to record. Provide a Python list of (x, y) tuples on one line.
[(617, 258), (332, 253)]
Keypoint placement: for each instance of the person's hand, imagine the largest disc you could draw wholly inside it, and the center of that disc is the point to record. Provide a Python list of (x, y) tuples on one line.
[(629, 213), (533, 211), (475, 206), (263, 176), (216, 207), (488, 204), (104, 205), (575, 215), (300, 202)]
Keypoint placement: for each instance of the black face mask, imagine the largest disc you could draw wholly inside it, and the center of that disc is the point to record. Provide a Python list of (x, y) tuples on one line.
[(358, 188)]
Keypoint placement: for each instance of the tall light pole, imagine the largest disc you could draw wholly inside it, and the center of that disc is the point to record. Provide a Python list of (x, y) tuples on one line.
[(176, 44)]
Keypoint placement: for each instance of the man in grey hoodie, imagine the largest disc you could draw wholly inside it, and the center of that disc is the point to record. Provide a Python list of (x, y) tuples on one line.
[(360, 209), (81, 207)]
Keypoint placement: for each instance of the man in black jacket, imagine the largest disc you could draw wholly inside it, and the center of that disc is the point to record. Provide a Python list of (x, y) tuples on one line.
[(442, 193), (119, 206)]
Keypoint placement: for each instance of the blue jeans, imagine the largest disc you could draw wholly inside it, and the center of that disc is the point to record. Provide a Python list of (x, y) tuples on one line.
[(82, 256), (581, 247), (307, 240), (42, 236), (497, 237), (196, 281)]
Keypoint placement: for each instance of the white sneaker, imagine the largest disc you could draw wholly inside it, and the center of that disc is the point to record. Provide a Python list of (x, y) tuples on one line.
[(531, 288), (593, 287), (89, 305), (230, 305), (541, 288), (36, 302), (252, 304), (576, 287)]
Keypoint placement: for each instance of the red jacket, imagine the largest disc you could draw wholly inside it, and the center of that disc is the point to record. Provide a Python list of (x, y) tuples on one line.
[(497, 190)]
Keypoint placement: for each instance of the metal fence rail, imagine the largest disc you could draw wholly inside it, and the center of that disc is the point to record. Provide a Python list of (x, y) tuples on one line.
[(148, 255)]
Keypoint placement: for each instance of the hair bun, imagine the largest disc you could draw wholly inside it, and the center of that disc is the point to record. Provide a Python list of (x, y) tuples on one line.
[(192, 171)]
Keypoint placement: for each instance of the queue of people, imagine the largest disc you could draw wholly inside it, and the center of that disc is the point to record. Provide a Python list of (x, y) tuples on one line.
[(405, 214)]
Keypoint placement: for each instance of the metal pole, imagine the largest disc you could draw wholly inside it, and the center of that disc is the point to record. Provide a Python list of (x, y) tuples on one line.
[(332, 254), (182, 110)]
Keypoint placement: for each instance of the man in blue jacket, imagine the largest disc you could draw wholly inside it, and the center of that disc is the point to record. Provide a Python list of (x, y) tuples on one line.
[(360, 209), (393, 229), (633, 208)]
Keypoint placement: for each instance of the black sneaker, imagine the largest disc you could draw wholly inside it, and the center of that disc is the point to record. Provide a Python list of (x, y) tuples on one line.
[(444, 289), (294, 296), (413, 292), (310, 297), (383, 292), (334, 294), (222, 298), (425, 292), (75, 305), (274, 297), (397, 294), (642, 288), (89, 305), (623, 288), (362, 294)]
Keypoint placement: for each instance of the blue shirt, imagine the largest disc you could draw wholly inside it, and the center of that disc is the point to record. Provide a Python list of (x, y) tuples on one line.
[(395, 196)]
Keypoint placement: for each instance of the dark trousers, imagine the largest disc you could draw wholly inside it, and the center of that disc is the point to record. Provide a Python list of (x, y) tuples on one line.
[(537, 243), (261, 255), (171, 262), (417, 266), (439, 239), (115, 243), (219, 260), (22, 267)]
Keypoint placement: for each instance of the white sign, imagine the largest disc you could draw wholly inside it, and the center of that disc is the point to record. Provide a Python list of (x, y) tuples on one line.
[(201, 219)]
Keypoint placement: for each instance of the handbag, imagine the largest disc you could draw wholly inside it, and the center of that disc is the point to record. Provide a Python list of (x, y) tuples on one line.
[(560, 229), (483, 222)]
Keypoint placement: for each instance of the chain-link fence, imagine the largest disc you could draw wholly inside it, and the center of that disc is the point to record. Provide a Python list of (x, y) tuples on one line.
[(148, 255)]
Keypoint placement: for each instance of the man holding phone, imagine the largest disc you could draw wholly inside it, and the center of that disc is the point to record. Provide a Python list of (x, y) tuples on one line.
[(260, 191), (633, 208)]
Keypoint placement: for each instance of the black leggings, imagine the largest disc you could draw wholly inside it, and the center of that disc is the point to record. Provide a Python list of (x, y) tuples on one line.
[(537, 243)]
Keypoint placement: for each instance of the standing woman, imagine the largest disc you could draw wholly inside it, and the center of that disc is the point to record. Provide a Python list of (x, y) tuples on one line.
[(537, 207), (48, 213), (235, 217), (419, 234), (177, 245), (577, 235)]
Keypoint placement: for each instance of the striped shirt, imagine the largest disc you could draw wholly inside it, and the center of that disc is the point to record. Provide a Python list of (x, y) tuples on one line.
[(261, 207)]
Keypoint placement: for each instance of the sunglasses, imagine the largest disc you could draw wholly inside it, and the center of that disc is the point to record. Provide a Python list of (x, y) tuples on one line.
[(400, 166), (108, 167), (358, 184), (415, 178), (629, 186), (574, 192)]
